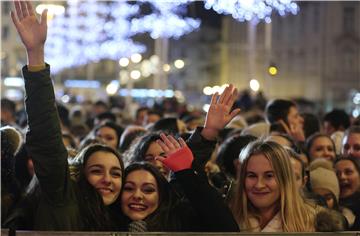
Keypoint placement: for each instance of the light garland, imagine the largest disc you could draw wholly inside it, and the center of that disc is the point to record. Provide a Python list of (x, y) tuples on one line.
[(166, 21), (246, 10), (90, 31)]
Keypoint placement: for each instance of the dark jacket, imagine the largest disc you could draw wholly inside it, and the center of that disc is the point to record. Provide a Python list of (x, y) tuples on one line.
[(58, 207), (214, 215)]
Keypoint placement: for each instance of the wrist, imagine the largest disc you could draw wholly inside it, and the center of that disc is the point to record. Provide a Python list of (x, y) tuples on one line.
[(36, 57), (210, 133)]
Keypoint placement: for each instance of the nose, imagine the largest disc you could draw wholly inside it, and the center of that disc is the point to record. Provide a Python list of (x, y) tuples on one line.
[(259, 183), (138, 195), (106, 179), (341, 176)]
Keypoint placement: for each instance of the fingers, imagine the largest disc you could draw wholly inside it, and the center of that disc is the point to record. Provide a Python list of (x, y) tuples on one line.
[(234, 113), (286, 127), (24, 9), (182, 142), (44, 17), (30, 8), (232, 98), (223, 95), (160, 158), (14, 19), (214, 98), (228, 94), (18, 9)]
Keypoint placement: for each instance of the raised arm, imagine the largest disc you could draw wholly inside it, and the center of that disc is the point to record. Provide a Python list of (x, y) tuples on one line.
[(203, 141), (215, 215), (43, 139)]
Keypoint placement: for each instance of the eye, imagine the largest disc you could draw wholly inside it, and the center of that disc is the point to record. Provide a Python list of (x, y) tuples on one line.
[(349, 172), (357, 147), (250, 175), (116, 174), (149, 190), (346, 147), (128, 188), (269, 175), (149, 158), (96, 171)]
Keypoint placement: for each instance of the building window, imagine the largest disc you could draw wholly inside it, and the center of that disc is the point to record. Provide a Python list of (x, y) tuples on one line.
[(349, 19)]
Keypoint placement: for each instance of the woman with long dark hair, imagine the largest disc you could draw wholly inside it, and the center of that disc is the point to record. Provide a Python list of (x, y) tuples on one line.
[(64, 204)]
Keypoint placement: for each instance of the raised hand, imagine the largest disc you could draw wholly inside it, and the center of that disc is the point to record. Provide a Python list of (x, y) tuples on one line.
[(295, 131), (220, 114), (178, 155), (31, 31)]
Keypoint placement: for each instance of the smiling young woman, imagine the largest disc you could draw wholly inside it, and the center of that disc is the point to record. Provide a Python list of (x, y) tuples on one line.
[(267, 198)]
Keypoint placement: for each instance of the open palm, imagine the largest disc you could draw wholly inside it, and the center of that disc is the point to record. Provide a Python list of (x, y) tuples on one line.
[(31, 31), (219, 114)]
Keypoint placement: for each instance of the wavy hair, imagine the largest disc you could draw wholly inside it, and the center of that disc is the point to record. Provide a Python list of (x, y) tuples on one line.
[(296, 215)]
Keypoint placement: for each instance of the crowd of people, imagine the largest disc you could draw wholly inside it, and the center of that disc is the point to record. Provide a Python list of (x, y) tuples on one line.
[(188, 172)]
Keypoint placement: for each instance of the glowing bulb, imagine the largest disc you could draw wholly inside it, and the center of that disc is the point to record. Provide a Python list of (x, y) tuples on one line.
[(136, 58), (272, 70), (254, 85), (166, 67), (112, 87), (206, 107), (124, 62), (135, 74), (179, 63), (208, 90)]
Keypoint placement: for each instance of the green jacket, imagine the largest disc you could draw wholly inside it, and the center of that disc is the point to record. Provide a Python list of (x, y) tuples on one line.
[(58, 208)]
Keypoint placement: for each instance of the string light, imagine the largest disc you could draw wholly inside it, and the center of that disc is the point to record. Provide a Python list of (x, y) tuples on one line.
[(246, 10), (91, 31), (166, 21)]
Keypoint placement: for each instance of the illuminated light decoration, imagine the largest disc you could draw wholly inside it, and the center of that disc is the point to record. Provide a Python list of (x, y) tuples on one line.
[(144, 93), (246, 10), (272, 70), (206, 107), (82, 84), (136, 58), (124, 62), (112, 87), (135, 74), (65, 98), (254, 85), (166, 21), (14, 82), (166, 67), (53, 10), (356, 99), (91, 31), (208, 90), (179, 64)]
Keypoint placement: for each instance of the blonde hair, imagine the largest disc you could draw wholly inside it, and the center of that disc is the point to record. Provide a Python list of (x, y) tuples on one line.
[(296, 215)]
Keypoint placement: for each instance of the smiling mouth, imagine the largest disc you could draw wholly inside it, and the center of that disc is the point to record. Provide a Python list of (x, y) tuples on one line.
[(260, 193), (105, 191), (137, 207)]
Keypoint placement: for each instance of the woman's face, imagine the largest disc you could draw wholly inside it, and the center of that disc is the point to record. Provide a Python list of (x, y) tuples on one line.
[(103, 172), (140, 196), (153, 151), (322, 147), (349, 178), (300, 180), (327, 195), (351, 145), (108, 136), (261, 186)]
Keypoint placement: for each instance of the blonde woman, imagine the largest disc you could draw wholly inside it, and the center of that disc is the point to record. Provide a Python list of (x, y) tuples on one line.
[(267, 199)]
